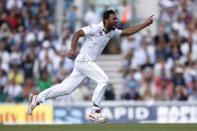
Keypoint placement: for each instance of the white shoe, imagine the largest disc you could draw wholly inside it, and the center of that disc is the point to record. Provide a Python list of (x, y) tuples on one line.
[(32, 103), (97, 117)]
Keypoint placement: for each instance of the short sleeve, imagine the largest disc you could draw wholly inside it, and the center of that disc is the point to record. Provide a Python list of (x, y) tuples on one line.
[(89, 30), (117, 33)]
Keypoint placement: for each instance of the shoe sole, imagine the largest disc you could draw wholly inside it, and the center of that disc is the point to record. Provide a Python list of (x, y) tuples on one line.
[(29, 102), (93, 119)]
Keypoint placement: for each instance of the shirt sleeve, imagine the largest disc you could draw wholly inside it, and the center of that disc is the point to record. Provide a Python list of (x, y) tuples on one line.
[(117, 33), (89, 30)]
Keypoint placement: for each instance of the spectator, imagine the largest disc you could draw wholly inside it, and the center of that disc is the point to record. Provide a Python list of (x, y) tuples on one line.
[(29, 87), (164, 88), (16, 74), (132, 84), (14, 4), (147, 88), (13, 19), (43, 81), (127, 44), (91, 17), (46, 57), (71, 18), (3, 83), (4, 56), (3, 78), (193, 91), (3, 94), (143, 55), (126, 13), (14, 91), (28, 61)]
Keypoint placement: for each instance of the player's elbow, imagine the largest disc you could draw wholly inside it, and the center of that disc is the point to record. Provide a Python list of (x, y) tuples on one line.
[(79, 33)]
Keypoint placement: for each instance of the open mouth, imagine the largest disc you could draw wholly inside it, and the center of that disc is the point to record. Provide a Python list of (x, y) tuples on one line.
[(115, 24)]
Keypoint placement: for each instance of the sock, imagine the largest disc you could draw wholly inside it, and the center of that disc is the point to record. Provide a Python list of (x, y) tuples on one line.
[(96, 105), (96, 109)]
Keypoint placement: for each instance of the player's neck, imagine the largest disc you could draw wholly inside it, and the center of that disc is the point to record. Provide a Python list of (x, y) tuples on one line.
[(106, 29)]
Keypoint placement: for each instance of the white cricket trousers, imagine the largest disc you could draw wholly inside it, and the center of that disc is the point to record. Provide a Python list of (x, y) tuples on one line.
[(81, 70)]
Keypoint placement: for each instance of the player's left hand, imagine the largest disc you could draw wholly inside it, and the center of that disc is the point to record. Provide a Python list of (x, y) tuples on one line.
[(72, 54), (149, 21)]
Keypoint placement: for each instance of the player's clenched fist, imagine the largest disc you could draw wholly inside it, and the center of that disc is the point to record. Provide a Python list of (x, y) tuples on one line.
[(149, 21), (72, 54)]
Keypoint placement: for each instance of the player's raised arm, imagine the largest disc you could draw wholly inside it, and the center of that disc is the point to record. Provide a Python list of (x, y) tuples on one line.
[(72, 53), (134, 29)]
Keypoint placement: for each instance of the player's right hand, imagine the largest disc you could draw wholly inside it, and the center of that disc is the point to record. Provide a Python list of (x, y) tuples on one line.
[(72, 54), (149, 21)]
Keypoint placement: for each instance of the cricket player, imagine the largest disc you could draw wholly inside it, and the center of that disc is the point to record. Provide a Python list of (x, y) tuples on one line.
[(96, 38)]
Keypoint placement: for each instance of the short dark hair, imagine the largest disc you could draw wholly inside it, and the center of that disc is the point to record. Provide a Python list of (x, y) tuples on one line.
[(107, 13)]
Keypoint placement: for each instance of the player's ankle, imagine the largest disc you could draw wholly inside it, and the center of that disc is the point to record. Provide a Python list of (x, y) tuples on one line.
[(96, 109), (38, 102)]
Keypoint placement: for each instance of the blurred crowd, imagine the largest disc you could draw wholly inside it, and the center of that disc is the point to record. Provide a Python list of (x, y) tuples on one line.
[(163, 67), (32, 53)]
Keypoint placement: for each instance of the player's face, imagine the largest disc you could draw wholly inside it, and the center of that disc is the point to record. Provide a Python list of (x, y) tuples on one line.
[(112, 21)]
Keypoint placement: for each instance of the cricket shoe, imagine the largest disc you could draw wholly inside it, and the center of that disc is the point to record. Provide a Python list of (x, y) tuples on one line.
[(97, 117)]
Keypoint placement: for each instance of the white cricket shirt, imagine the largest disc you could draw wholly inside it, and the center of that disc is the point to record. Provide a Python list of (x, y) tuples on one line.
[(95, 41)]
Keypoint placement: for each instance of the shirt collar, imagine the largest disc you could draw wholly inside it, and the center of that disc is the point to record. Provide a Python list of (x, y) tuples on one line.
[(102, 27)]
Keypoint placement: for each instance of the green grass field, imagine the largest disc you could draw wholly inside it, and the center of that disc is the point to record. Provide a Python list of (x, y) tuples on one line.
[(103, 127)]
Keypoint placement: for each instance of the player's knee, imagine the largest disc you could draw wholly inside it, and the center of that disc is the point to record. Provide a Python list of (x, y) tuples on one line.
[(107, 82), (104, 83)]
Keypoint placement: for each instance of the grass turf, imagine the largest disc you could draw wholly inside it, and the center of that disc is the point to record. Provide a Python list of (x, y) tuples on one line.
[(102, 127)]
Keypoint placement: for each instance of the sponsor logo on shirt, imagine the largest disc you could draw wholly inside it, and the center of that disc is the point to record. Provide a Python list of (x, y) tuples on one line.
[(100, 33)]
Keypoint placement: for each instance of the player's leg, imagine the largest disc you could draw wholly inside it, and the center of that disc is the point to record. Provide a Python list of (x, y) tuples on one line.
[(66, 87), (93, 71)]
